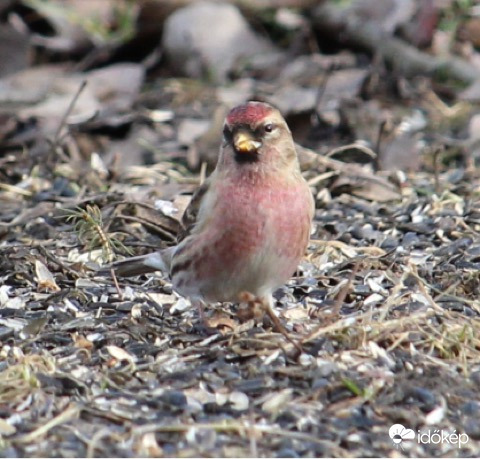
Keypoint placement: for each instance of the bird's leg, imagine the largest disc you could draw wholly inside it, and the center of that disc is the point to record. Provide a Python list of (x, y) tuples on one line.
[(266, 304)]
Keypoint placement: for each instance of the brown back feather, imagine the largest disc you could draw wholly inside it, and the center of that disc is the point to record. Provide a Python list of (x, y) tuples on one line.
[(190, 215)]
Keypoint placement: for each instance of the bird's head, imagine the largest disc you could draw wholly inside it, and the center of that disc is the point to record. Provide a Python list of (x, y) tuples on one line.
[(255, 133)]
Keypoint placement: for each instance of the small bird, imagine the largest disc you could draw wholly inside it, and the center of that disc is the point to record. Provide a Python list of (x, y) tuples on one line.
[(248, 225)]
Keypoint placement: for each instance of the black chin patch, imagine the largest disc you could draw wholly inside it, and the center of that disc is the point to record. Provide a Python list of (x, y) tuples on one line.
[(246, 157)]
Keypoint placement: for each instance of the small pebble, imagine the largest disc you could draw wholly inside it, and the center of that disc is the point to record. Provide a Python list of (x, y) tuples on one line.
[(475, 377), (287, 452), (471, 408), (472, 428), (389, 243), (173, 397), (320, 383), (409, 239), (239, 401), (424, 396)]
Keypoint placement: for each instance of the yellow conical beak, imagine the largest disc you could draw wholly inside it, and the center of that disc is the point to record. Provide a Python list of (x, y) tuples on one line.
[(245, 143)]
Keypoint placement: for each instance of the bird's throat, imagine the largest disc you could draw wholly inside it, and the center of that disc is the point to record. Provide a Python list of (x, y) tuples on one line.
[(246, 158)]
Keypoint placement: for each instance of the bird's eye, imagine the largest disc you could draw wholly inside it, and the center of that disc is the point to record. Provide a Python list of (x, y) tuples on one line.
[(269, 127)]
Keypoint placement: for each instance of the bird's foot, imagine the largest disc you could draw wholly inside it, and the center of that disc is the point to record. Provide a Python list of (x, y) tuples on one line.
[(250, 308)]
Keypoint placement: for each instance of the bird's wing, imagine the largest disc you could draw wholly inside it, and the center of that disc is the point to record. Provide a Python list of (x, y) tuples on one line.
[(190, 216), (162, 259)]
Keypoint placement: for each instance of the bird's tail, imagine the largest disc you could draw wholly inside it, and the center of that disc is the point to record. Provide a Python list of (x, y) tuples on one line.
[(143, 264)]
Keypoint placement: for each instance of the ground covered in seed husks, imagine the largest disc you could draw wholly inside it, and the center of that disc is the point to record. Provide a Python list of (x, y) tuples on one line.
[(104, 135)]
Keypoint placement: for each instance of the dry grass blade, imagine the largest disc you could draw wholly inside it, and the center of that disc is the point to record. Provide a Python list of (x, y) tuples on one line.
[(17, 380), (72, 411), (336, 308), (352, 146), (240, 428), (63, 121)]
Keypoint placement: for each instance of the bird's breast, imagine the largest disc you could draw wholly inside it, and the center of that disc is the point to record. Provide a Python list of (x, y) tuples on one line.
[(271, 217), (253, 242)]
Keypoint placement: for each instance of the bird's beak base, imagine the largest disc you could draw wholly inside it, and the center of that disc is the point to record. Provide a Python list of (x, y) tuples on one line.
[(245, 143)]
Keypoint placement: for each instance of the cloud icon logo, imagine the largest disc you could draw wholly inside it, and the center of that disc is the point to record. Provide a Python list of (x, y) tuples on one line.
[(398, 433)]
